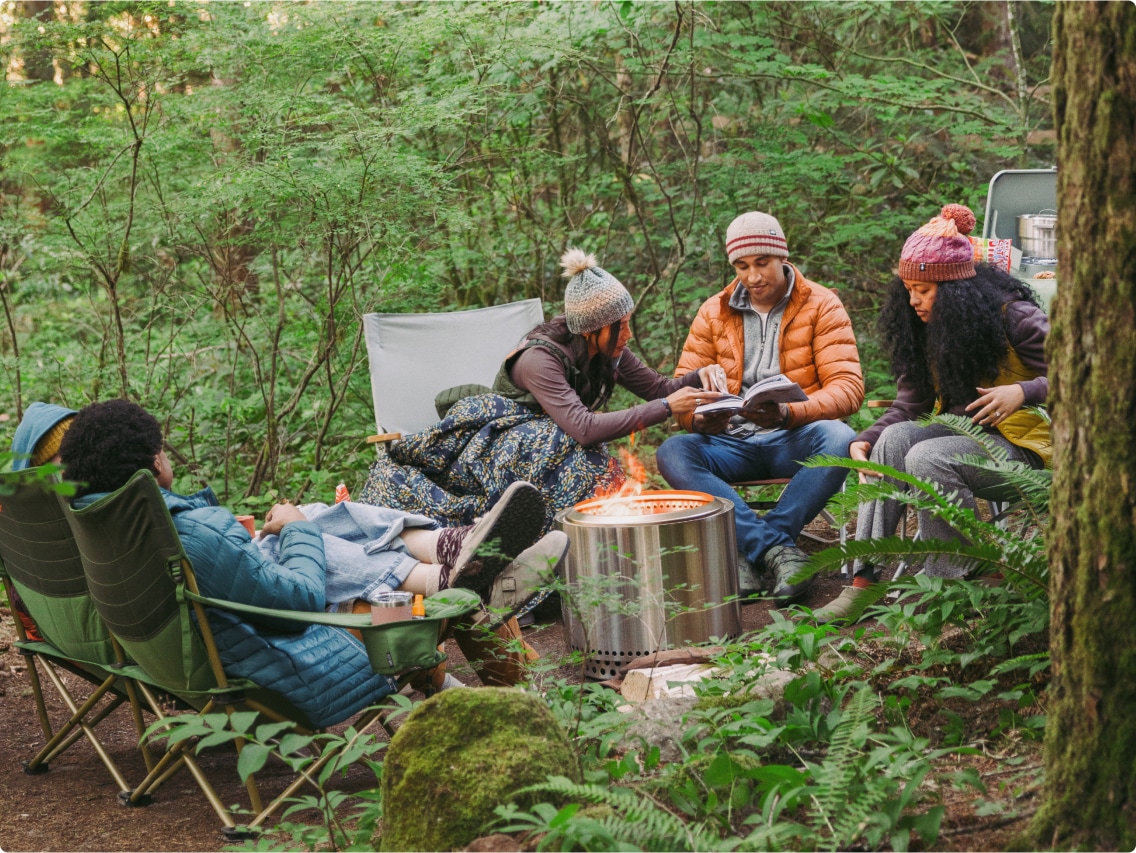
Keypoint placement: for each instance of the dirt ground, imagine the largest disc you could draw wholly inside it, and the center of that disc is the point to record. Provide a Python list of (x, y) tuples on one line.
[(73, 807)]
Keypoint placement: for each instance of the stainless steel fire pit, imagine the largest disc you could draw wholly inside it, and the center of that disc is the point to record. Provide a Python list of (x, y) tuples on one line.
[(648, 572)]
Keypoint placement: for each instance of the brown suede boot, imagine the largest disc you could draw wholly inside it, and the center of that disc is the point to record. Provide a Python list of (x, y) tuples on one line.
[(493, 653)]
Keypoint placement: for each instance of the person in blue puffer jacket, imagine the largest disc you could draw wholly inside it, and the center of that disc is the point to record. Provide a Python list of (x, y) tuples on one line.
[(322, 670)]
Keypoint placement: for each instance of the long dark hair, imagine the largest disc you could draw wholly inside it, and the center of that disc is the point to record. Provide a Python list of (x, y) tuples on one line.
[(596, 379), (964, 342)]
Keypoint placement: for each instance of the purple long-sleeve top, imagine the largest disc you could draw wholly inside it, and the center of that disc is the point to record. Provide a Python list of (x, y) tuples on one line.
[(1027, 327), (541, 373)]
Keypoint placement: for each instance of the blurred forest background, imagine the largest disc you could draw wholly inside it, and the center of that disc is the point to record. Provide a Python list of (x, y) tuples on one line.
[(199, 201)]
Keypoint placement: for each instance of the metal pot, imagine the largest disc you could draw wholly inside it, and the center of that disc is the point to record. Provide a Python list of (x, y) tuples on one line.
[(1038, 234), (639, 583)]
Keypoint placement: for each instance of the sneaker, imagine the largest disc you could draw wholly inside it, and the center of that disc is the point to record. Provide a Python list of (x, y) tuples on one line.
[(512, 525), (785, 562), (522, 579), (844, 605)]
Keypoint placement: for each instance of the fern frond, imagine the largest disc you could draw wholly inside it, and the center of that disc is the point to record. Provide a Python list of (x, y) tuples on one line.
[(981, 557), (846, 800), (638, 820), (836, 775)]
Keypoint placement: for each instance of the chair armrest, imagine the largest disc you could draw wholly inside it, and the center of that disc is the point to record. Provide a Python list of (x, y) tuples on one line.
[(878, 404), (384, 437), (392, 647), (446, 604)]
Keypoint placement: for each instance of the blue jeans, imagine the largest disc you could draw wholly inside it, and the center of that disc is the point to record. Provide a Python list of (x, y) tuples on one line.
[(709, 463)]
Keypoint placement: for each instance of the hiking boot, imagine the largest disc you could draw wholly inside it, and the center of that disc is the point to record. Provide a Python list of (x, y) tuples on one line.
[(522, 579), (750, 581), (512, 525), (785, 562), (841, 607)]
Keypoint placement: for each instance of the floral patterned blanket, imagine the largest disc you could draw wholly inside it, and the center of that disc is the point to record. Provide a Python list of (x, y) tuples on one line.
[(455, 470)]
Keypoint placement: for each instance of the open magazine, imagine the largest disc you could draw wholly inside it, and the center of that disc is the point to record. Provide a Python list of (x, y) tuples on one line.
[(773, 389)]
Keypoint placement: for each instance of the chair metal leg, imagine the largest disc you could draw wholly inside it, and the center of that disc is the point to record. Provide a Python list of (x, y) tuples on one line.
[(78, 725), (37, 694), (168, 764)]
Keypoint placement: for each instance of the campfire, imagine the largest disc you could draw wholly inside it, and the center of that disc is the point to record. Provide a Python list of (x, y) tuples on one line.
[(633, 498), (652, 502), (647, 570)]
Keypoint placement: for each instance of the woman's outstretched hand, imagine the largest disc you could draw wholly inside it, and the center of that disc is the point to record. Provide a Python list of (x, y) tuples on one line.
[(713, 377), (685, 400), (860, 450), (996, 404)]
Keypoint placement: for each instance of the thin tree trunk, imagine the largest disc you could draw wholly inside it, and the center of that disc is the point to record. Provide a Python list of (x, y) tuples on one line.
[(1090, 748)]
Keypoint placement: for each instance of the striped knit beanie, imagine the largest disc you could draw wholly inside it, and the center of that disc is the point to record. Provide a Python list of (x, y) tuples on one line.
[(755, 233), (593, 298), (940, 250)]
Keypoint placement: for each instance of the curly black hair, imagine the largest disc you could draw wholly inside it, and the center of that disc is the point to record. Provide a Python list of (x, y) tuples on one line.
[(963, 344), (596, 379), (107, 443)]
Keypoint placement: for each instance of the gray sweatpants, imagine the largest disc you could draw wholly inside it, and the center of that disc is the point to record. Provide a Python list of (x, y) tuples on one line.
[(932, 454)]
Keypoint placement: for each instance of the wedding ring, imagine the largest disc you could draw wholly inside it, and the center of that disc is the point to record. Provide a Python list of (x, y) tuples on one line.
[(698, 401), (997, 414)]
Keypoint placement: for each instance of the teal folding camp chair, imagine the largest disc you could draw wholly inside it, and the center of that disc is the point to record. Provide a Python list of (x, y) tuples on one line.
[(143, 586), (41, 564)]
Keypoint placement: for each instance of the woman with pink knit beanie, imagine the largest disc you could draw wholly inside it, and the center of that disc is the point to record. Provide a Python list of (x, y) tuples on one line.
[(963, 338)]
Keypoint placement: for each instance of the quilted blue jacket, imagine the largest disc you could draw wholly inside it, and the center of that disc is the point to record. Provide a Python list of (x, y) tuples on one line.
[(322, 670)]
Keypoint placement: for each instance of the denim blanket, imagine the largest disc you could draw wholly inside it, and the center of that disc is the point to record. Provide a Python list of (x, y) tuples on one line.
[(362, 546)]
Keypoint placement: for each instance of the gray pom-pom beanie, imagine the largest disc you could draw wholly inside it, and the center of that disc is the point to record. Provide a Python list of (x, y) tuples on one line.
[(594, 298)]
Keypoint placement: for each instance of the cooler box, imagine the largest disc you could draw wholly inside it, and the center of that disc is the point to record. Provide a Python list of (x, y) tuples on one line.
[(1020, 192)]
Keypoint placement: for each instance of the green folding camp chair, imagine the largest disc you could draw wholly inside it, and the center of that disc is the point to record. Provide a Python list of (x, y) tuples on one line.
[(143, 586), (40, 562)]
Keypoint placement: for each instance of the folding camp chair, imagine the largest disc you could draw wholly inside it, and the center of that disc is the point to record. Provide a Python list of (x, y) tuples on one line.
[(41, 564), (414, 356), (143, 586)]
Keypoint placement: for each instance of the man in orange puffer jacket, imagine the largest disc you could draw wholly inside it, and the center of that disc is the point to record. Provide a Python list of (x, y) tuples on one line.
[(769, 320)]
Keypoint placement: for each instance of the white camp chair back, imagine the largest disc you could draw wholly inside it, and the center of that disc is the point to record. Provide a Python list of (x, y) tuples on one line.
[(414, 356)]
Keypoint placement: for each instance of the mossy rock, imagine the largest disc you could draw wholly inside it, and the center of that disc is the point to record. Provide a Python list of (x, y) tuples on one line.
[(459, 755)]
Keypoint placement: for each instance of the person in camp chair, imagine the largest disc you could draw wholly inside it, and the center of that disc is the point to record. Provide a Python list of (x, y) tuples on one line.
[(324, 671), (769, 320), (36, 442)]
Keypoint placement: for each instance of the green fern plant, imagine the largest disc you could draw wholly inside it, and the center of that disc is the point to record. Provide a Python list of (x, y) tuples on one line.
[(627, 819), (1013, 546), (838, 804), (864, 790)]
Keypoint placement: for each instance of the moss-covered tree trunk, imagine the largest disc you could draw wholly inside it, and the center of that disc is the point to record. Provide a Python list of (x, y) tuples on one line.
[(1091, 734)]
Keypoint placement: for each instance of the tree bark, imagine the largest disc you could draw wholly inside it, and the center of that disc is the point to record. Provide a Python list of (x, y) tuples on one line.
[(1090, 749)]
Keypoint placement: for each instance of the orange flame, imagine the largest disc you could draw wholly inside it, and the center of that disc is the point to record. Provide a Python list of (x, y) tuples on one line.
[(635, 479)]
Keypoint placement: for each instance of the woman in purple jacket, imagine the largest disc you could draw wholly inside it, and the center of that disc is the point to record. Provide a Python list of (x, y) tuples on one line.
[(543, 421), (964, 339)]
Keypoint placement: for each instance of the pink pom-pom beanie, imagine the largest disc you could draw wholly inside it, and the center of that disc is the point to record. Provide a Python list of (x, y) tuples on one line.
[(940, 250)]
